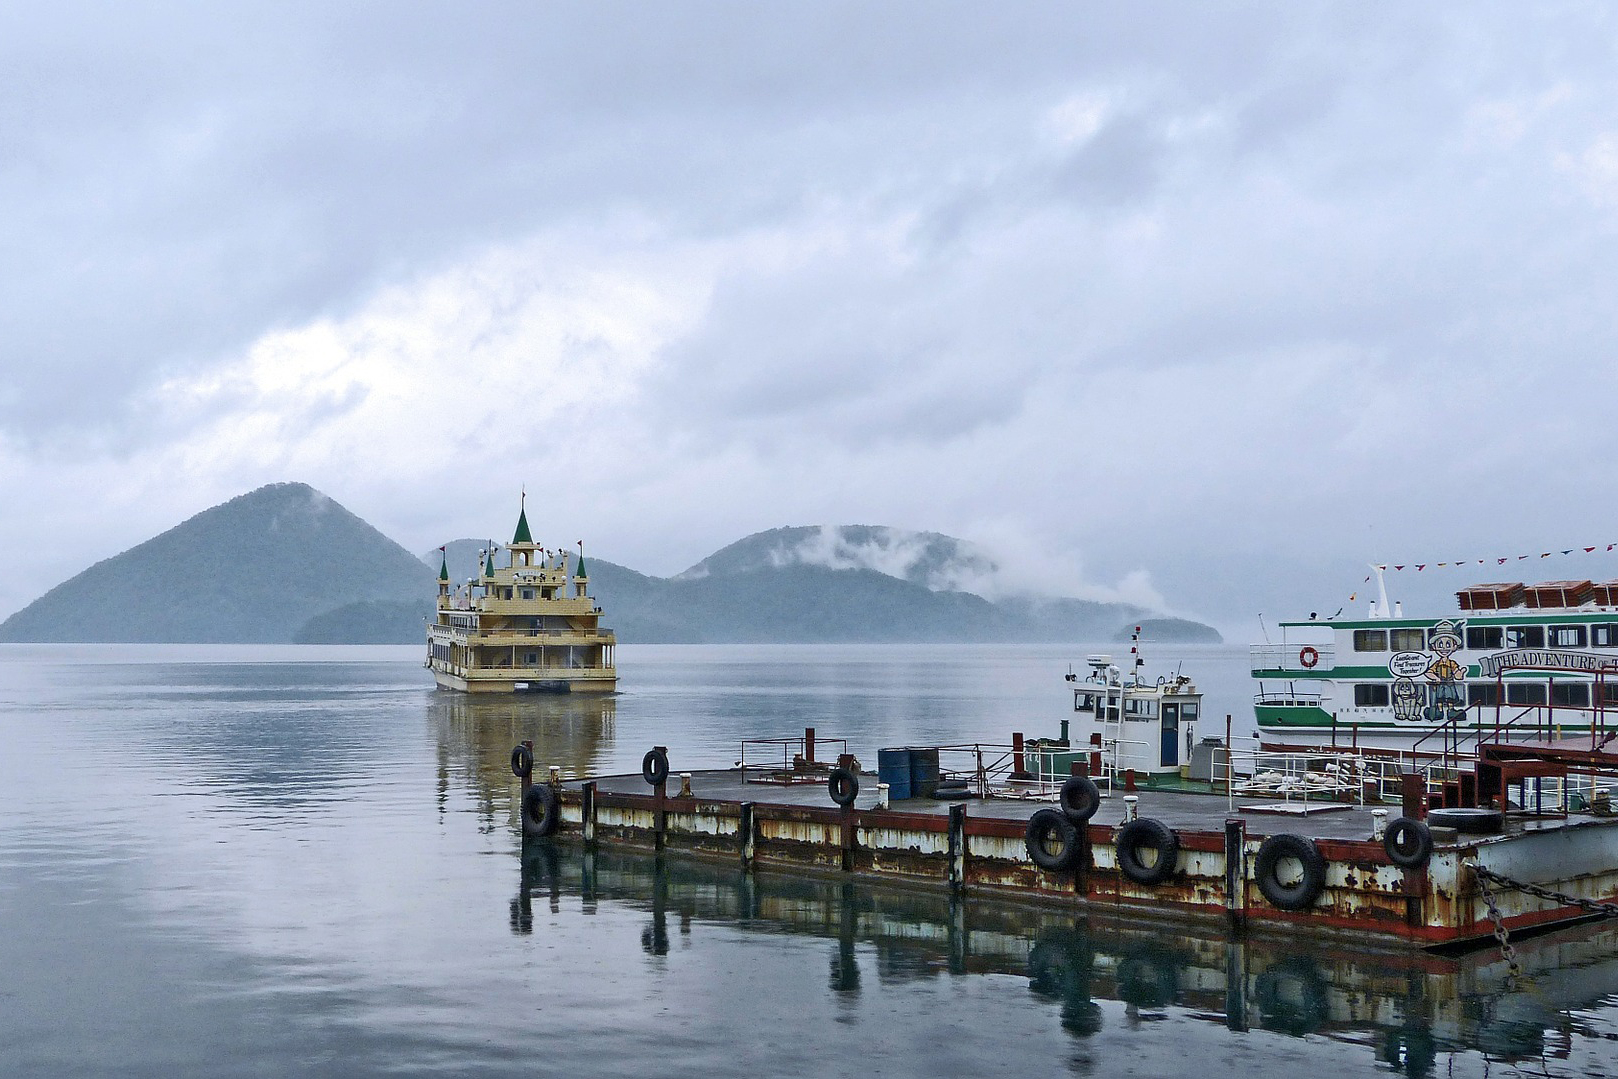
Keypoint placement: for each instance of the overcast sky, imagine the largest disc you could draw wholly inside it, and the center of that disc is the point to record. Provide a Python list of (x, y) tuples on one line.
[(1207, 305)]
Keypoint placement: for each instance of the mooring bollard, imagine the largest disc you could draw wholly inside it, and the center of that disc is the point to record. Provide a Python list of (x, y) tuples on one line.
[(556, 776), (881, 796), (685, 784), (1131, 807), (1379, 823)]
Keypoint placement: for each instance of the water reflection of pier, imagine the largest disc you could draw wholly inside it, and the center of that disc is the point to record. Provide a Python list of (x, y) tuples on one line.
[(1406, 1009), (476, 733)]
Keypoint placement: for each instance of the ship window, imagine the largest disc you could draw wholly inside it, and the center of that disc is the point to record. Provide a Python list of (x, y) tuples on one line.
[(1609, 692), (1083, 702), (1484, 637), (1525, 637), (1566, 636), (1604, 634), (1188, 711), (528, 593), (1370, 640), (1372, 695), (1525, 693), (1571, 694), (531, 658), (1409, 640), (1482, 693)]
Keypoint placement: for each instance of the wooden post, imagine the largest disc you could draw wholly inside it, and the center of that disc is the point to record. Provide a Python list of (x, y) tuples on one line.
[(587, 811)]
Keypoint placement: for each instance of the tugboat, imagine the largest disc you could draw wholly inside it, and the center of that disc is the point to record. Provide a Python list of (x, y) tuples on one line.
[(529, 626)]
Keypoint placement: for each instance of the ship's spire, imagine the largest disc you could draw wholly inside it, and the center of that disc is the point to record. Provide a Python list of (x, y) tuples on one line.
[(523, 535), (488, 565), (443, 567), (579, 570)]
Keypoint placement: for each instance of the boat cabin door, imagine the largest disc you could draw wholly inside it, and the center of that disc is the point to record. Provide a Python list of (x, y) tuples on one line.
[(1170, 735)]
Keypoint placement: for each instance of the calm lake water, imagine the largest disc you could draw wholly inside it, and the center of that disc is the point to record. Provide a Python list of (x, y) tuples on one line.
[(305, 861)]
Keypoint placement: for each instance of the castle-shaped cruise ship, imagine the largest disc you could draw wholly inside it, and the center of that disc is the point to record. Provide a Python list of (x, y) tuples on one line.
[(528, 626)]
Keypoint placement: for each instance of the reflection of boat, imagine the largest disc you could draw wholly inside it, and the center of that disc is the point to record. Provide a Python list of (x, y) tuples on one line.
[(528, 626), (1514, 662), (1403, 1009), (476, 732)]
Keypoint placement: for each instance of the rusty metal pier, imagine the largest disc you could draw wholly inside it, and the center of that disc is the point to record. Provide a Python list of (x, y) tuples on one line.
[(984, 848)]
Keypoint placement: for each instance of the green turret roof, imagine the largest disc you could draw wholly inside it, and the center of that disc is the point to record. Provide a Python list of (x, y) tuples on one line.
[(522, 535), (488, 567), (443, 569), (580, 571)]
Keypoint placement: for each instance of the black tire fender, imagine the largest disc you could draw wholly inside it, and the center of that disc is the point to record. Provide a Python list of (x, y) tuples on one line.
[(1080, 799), (1298, 895), (1146, 833), (1052, 840), (844, 786), (1409, 843), (522, 762), (654, 767), (541, 811), (1468, 821)]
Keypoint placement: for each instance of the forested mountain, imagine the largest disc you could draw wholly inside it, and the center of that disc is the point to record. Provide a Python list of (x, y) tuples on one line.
[(286, 563)]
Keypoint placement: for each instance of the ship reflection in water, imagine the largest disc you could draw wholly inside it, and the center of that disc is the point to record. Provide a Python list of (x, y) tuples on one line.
[(476, 734), (1407, 1011)]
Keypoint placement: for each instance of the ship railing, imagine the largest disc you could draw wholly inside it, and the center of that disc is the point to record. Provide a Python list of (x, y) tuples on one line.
[(1292, 657), (1335, 776), (1284, 697)]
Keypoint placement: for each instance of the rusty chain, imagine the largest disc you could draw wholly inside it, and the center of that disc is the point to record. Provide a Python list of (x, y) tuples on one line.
[(1507, 952), (1608, 910)]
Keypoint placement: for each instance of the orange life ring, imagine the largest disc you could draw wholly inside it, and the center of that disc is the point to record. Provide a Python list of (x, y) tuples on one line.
[(1308, 656)]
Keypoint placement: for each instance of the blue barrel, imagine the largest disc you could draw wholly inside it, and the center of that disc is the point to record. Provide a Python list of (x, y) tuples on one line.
[(893, 768), (923, 772)]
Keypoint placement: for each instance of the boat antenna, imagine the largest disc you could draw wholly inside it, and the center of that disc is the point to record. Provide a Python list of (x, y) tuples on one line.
[(1263, 628)]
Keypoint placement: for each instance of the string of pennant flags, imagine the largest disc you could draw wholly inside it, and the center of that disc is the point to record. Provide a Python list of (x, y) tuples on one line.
[(1499, 560)]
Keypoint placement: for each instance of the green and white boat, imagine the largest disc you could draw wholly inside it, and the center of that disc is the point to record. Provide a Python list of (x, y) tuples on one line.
[(1513, 662)]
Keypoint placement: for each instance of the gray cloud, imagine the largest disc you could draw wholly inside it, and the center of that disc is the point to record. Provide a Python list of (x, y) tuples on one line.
[(1294, 276)]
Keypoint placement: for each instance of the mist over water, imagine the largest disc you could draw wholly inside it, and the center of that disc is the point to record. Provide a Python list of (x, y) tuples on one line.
[(305, 861)]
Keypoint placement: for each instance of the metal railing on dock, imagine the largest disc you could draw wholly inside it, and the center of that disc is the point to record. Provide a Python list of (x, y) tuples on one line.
[(788, 760)]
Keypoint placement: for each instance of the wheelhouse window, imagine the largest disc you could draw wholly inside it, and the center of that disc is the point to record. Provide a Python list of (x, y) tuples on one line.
[(1084, 702), (1604, 634), (1566, 636), (1571, 694), (1484, 637), (1408, 640), (1134, 706), (1609, 692), (1486, 694), (1370, 640), (1525, 637), (1371, 694), (1525, 693)]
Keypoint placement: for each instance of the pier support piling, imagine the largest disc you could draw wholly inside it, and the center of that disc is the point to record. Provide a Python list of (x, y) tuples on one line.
[(1236, 871), (957, 847)]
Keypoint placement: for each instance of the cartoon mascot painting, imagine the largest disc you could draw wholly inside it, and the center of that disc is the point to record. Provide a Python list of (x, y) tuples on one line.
[(1446, 676)]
